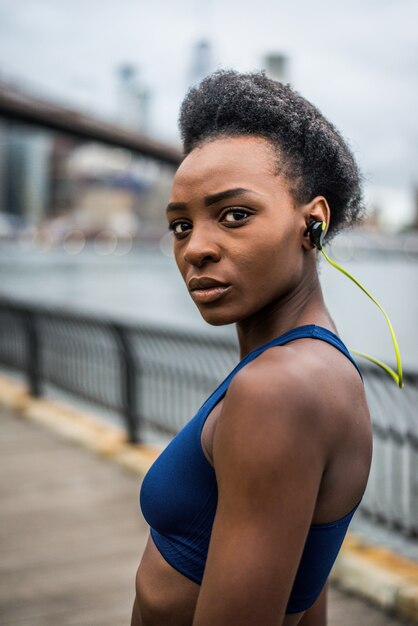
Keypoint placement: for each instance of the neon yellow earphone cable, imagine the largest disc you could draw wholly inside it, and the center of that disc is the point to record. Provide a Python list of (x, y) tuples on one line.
[(398, 377)]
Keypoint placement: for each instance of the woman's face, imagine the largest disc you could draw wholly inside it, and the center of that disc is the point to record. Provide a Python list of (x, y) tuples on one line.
[(235, 221)]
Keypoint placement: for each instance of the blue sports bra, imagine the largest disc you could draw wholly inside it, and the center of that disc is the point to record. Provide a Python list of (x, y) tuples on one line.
[(178, 496)]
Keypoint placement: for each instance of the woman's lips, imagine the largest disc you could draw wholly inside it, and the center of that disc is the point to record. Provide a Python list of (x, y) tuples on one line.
[(210, 294)]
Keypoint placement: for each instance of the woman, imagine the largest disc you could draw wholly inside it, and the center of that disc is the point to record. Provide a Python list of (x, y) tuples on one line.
[(249, 503)]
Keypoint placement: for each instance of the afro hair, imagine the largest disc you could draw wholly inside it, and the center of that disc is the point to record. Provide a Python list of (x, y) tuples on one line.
[(311, 153)]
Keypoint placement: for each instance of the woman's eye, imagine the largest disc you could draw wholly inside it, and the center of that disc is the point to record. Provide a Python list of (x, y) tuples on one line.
[(233, 216), (241, 212), (174, 227)]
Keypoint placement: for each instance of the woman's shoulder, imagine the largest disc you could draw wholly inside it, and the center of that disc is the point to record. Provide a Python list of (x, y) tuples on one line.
[(278, 373), (266, 441), (313, 389), (293, 373), (318, 376), (289, 404), (273, 398)]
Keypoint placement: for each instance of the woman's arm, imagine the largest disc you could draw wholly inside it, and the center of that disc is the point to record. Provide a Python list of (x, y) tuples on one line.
[(136, 615), (269, 460)]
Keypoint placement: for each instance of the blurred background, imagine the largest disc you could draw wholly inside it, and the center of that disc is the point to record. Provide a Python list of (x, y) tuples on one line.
[(119, 70), (92, 308), (89, 99), (88, 202)]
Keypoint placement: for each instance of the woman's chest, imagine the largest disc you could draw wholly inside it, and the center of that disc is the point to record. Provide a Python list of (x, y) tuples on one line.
[(180, 487)]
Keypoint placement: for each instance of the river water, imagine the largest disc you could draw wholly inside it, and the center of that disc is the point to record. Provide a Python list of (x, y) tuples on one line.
[(144, 285)]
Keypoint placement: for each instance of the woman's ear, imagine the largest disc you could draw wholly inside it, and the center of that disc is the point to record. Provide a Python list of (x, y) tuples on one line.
[(317, 210)]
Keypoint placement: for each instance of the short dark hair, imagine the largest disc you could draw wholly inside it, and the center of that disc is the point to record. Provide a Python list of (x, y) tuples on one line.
[(312, 154)]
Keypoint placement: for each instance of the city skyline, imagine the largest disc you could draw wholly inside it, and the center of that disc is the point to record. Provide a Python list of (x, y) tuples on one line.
[(357, 65)]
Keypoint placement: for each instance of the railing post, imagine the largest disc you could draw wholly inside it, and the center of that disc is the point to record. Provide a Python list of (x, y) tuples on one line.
[(129, 381), (411, 488), (33, 353)]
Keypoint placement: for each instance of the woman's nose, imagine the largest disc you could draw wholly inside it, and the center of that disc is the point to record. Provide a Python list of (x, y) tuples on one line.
[(201, 246)]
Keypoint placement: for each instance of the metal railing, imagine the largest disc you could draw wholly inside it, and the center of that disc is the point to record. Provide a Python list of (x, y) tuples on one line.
[(159, 378), (149, 375)]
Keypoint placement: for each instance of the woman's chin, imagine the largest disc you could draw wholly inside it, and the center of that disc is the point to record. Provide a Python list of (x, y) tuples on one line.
[(218, 317)]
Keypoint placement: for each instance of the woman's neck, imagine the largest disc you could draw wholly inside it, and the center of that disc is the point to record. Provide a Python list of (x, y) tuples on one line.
[(297, 309)]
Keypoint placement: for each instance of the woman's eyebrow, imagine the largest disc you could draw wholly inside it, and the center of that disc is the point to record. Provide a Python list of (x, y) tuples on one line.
[(212, 199)]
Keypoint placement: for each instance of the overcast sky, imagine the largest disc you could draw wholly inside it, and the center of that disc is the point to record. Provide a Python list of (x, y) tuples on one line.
[(356, 60)]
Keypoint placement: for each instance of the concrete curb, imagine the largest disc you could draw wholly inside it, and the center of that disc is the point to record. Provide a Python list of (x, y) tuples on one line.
[(375, 573), (78, 426), (378, 574)]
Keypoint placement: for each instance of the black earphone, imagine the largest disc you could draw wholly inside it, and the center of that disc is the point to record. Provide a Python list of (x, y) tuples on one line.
[(316, 232)]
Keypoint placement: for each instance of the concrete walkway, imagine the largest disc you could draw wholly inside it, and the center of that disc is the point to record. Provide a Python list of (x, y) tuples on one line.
[(72, 535)]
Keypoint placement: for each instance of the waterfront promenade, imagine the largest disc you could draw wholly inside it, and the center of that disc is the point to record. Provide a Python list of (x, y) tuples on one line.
[(71, 536)]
